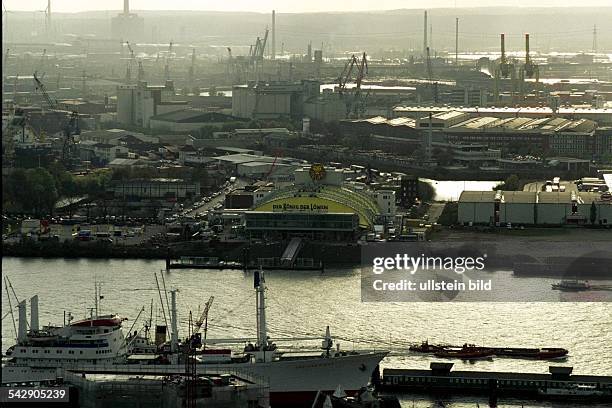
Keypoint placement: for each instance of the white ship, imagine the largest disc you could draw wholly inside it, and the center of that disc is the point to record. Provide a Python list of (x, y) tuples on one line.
[(292, 379)]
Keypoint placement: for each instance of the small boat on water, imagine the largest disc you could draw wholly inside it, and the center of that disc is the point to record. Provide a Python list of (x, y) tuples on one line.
[(571, 285), (576, 392)]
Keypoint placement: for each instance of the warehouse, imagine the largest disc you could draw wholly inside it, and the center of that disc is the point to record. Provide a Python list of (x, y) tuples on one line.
[(534, 208)]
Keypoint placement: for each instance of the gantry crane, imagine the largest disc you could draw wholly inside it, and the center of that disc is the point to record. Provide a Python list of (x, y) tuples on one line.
[(71, 127)]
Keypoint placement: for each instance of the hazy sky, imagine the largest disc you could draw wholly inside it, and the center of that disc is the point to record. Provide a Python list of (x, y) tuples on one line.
[(287, 6)]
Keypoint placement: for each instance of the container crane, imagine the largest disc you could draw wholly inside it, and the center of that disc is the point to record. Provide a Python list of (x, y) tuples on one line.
[(71, 127)]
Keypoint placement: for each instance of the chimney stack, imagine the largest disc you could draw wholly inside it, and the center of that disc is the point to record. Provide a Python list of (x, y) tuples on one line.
[(425, 34), (126, 7), (273, 34)]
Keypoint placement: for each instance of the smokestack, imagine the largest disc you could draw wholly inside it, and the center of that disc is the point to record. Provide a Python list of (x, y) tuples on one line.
[(527, 48), (457, 41), (126, 6), (34, 313), (273, 34), (49, 14), (23, 324), (309, 54), (425, 34), (503, 47)]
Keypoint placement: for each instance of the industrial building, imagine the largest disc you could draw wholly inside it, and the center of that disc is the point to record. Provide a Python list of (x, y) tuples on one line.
[(554, 135), (157, 188), (272, 100), (533, 208), (101, 152), (137, 104), (186, 120), (603, 116)]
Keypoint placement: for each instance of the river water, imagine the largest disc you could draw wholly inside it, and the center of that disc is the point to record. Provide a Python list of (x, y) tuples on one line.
[(303, 303)]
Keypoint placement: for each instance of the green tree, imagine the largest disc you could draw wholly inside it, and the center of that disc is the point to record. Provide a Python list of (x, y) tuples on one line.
[(512, 183), (42, 191)]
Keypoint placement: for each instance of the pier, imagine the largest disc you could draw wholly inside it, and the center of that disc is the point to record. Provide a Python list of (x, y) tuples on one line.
[(559, 383)]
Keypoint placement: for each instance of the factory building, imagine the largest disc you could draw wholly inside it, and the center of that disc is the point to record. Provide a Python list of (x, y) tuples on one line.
[(156, 188), (553, 135), (326, 107), (533, 208), (272, 100), (186, 120), (602, 116), (137, 104)]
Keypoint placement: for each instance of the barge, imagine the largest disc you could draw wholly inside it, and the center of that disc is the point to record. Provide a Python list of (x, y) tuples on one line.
[(470, 351)]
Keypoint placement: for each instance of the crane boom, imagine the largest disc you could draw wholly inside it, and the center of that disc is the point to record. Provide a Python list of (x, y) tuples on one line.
[(39, 86), (203, 317)]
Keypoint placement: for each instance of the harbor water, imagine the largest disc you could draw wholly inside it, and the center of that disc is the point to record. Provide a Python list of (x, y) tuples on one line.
[(302, 303)]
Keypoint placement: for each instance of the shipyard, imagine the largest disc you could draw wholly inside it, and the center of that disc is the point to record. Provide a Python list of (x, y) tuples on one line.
[(285, 204)]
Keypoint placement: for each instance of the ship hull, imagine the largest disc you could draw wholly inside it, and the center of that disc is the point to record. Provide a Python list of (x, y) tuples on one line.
[(291, 381)]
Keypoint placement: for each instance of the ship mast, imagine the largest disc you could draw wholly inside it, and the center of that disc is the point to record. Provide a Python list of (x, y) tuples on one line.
[(260, 287)]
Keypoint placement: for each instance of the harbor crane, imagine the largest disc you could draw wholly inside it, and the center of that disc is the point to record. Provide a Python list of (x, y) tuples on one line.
[(354, 104), (203, 319), (131, 59), (71, 127)]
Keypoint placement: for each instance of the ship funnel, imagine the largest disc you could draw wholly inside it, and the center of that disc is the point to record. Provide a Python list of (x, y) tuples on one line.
[(34, 313), (23, 324), (160, 334)]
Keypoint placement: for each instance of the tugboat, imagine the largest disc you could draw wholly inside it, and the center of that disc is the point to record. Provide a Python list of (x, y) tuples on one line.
[(425, 347), (571, 285)]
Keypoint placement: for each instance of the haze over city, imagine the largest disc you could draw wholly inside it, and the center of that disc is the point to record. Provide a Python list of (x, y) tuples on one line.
[(307, 204)]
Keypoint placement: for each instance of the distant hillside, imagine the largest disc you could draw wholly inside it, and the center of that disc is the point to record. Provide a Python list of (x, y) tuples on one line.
[(562, 29)]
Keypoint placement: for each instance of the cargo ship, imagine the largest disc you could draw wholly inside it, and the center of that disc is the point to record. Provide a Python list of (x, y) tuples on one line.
[(97, 345)]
